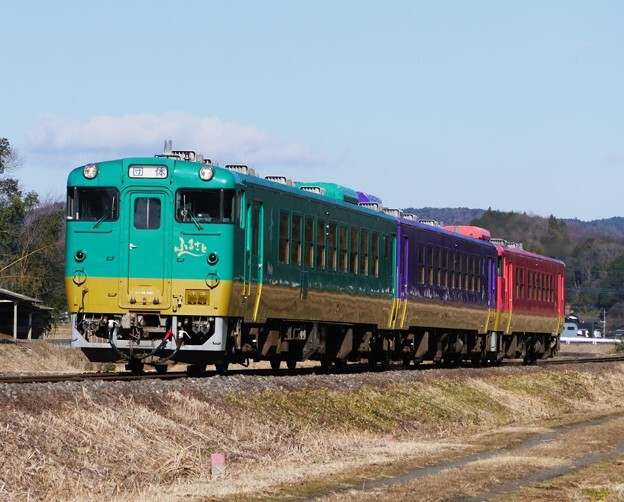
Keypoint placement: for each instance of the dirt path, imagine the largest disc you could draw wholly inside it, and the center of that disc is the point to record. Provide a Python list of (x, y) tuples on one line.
[(506, 472)]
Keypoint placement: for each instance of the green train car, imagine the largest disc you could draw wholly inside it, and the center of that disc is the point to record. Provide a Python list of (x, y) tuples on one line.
[(173, 259)]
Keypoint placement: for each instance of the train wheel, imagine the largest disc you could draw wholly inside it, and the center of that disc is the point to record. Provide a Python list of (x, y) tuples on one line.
[(196, 370), (275, 364), (477, 360), (529, 358), (340, 365), (372, 361), (135, 366), (326, 365), (291, 362), (385, 360), (161, 369), (406, 360), (222, 368)]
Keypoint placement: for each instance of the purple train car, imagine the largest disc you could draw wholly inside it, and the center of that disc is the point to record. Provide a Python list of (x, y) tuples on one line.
[(446, 295)]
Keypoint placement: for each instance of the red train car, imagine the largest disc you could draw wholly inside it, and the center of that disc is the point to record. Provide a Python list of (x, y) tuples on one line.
[(530, 300)]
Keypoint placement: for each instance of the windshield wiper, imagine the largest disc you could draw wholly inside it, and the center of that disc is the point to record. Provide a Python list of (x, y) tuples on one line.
[(193, 219), (106, 215)]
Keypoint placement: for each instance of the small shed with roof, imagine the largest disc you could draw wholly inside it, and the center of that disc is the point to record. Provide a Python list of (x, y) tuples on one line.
[(22, 316)]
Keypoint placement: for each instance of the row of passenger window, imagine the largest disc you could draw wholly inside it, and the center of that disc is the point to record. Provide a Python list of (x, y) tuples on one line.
[(449, 269), (531, 285), (327, 245)]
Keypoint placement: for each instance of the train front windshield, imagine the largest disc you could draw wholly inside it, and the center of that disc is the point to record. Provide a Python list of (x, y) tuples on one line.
[(205, 206), (92, 204)]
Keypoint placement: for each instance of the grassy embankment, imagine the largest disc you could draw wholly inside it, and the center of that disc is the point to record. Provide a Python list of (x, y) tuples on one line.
[(288, 435)]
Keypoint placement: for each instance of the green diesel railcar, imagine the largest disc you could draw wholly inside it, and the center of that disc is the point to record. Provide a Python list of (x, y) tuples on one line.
[(170, 259)]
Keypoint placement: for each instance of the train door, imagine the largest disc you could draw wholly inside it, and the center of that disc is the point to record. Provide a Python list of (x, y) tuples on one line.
[(491, 274), (145, 281), (560, 299), (509, 290), (403, 274), (253, 272)]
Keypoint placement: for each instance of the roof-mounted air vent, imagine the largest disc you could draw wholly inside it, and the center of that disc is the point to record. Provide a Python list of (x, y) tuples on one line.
[(410, 217), (397, 213), (431, 223), (375, 206), (313, 189), (282, 180), (503, 242), (241, 169)]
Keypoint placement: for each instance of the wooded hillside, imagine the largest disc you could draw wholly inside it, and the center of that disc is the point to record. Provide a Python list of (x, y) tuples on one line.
[(592, 250)]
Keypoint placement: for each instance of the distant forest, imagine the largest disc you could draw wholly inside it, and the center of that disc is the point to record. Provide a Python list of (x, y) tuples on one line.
[(592, 250)]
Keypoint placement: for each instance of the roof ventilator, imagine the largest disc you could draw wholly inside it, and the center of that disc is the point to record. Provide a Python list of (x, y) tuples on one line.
[(241, 169), (313, 189), (503, 242), (431, 223), (375, 206), (282, 180), (397, 213)]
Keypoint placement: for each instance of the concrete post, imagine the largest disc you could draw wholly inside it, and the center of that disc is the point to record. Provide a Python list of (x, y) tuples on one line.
[(217, 461), (30, 325), (15, 320)]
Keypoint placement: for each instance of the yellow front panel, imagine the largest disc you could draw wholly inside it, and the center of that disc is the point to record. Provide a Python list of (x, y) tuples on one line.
[(99, 295)]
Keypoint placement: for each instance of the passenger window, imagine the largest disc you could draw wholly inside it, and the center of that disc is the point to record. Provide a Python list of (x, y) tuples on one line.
[(444, 267), (354, 244), (452, 266), (332, 245), (364, 253), (308, 244), (343, 246), (461, 270), (296, 240), (147, 213), (320, 244), (430, 264), (375, 254), (284, 241)]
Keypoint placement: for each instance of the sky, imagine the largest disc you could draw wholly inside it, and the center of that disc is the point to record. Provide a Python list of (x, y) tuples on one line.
[(509, 105)]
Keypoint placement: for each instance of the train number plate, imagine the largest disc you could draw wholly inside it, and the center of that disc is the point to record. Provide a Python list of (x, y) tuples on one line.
[(147, 171)]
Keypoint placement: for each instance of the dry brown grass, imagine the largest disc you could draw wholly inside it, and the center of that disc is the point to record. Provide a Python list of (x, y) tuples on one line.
[(294, 435), (41, 356)]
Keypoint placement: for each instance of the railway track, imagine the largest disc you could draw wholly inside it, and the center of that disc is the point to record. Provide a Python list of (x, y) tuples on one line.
[(355, 368)]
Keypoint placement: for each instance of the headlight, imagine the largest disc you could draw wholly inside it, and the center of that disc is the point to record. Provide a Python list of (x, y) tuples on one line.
[(90, 171), (206, 173)]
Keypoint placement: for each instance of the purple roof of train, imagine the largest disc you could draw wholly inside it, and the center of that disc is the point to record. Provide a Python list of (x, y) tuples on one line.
[(364, 197)]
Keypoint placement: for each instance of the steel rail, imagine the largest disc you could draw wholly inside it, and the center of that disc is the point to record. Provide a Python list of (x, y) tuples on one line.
[(126, 376)]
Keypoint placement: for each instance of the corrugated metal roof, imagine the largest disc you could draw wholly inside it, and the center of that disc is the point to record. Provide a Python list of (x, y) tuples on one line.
[(16, 296)]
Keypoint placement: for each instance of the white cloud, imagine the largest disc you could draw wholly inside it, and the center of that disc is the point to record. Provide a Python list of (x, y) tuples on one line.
[(107, 137)]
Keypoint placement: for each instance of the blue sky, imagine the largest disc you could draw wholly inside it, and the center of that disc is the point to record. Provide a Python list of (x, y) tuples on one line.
[(509, 105)]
